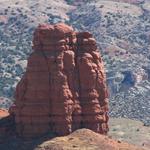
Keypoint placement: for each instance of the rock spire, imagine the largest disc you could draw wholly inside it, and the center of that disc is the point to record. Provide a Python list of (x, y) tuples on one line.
[(64, 86)]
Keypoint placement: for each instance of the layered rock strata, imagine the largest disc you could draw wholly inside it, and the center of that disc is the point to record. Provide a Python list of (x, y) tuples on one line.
[(63, 88)]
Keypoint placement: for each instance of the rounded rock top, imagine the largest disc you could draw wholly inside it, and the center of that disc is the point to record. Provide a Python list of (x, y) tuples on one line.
[(56, 30), (49, 37)]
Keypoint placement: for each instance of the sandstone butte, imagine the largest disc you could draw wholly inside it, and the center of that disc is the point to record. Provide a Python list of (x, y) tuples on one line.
[(64, 86)]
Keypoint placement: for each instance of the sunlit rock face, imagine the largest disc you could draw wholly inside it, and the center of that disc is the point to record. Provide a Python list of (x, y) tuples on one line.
[(64, 86)]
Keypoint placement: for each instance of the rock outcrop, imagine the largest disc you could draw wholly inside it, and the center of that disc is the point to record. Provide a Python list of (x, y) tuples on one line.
[(88, 140), (93, 91), (64, 86)]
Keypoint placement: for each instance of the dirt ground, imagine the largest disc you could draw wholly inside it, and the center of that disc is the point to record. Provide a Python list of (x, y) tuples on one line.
[(131, 131)]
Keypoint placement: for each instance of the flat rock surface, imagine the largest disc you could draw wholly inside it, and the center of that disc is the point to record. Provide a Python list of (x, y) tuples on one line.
[(131, 131)]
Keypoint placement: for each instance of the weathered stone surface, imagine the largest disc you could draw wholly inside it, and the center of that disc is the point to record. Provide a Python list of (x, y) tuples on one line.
[(85, 139), (64, 86), (93, 91)]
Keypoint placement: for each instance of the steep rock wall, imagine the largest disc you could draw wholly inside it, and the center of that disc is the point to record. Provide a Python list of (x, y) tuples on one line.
[(63, 88)]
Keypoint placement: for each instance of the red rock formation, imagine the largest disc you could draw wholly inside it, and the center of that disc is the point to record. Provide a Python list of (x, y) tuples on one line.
[(64, 86), (93, 90)]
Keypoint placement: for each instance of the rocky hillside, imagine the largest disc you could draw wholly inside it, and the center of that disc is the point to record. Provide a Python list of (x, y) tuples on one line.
[(18, 20), (121, 27), (85, 139), (123, 33)]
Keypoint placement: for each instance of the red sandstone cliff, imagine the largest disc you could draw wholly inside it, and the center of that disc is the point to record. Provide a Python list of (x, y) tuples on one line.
[(64, 87)]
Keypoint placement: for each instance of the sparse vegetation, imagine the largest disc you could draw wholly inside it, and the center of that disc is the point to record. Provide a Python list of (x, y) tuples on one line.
[(122, 35)]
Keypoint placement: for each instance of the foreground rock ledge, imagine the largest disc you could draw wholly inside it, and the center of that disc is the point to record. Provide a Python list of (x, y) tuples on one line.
[(85, 139), (82, 139)]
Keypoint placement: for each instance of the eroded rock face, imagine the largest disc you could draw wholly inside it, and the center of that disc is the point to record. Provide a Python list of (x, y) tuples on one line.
[(93, 90), (64, 86)]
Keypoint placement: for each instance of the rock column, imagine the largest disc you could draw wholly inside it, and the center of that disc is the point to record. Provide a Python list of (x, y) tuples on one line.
[(93, 91), (63, 88)]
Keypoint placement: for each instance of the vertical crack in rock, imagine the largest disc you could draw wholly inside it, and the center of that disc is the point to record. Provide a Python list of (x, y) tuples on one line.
[(77, 113), (64, 87)]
